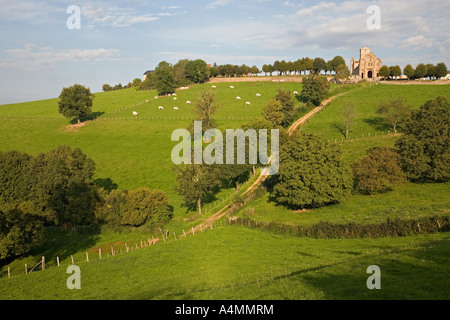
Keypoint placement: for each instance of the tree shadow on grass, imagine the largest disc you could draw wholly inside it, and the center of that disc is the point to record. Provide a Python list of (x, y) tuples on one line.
[(378, 123), (106, 184), (424, 278), (92, 116)]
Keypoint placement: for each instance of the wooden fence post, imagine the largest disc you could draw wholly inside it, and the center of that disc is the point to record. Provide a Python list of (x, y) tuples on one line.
[(9, 273), (87, 257), (26, 269), (57, 261), (71, 257), (43, 263), (99, 253)]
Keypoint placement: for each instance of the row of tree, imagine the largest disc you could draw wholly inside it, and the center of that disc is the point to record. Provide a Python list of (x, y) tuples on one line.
[(304, 65), (421, 71), (135, 84), (57, 188)]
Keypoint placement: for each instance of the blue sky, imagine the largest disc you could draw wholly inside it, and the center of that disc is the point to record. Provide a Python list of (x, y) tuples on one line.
[(120, 40)]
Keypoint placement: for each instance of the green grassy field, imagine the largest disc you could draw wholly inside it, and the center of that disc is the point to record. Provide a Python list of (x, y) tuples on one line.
[(229, 262), (239, 263)]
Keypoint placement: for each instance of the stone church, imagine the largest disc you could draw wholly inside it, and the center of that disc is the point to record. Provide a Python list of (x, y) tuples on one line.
[(368, 66)]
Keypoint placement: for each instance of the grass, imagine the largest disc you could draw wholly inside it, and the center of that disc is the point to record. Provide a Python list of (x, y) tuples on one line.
[(238, 263)]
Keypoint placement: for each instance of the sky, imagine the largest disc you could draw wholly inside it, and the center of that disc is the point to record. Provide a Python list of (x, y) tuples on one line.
[(117, 41)]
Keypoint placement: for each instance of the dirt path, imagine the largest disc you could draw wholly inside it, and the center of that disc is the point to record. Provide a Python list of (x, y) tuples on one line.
[(222, 212)]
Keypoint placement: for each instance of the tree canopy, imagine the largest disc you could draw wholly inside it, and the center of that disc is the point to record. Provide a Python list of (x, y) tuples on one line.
[(75, 102)]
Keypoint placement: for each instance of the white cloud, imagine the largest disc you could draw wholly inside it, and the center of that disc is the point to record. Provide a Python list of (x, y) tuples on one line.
[(116, 17), (32, 58), (218, 3), (417, 42)]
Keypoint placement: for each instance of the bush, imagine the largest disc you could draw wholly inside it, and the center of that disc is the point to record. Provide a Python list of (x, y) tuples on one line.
[(315, 89), (379, 171)]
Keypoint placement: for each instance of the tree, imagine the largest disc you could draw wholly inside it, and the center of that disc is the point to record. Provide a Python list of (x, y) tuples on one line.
[(136, 83), (61, 187), (409, 71), (106, 87), (337, 61), (205, 107), (385, 72), (319, 64), (349, 115), (197, 183), (425, 146), (165, 78), (395, 71), (265, 69), (315, 89), (143, 206), (19, 234), (273, 113), (379, 171), (342, 72), (312, 173), (287, 106), (76, 102), (421, 71), (441, 70), (395, 112), (197, 71), (431, 71)]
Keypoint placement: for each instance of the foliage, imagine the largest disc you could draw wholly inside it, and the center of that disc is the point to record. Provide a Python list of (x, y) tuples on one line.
[(19, 233), (425, 147), (409, 71), (394, 112), (75, 102), (287, 106), (384, 72), (273, 112), (315, 89), (164, 78), (441, 70), (421, 71), (349, 115), (379, 171), (196, 183), (206, 107), (311, 174), (197, 71)]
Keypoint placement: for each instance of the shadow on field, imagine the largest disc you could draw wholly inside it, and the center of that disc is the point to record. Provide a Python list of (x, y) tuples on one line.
[(414, 274), (378, 124), (91, 117)]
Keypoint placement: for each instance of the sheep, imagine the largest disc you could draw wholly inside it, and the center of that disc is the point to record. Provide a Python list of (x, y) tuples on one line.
[(176, 109), (135, 114), (146, 101), (161, 108), (248, 103), (175, 99), (231, 87), (238, 98), (214, 87), (296, 93), (174, 94), (258, 95), (156, 97), (188, 102)]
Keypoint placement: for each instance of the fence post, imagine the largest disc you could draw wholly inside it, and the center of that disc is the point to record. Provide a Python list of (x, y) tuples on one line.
[(99, 253), (43, 263), (9, 273), (87, 257), (193, 232), (26, 269), (57, 261), (72, 259)]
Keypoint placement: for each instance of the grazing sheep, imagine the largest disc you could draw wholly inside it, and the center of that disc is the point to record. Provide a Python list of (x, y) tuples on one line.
[(176, 109), (248, 103), (146, 101), (135, 114), (238, 98), (231, 87), (296, 93), (161, 108), (156, 97), (258, 95), (175, 99), (174, 94), (188, 102), (214, 87)]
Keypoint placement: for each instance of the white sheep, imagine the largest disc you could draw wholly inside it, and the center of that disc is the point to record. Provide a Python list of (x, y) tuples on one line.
[(176, 109), (161, 108), (188, 102), (175, 99), (214, 87), (248, 103), (258, 95), (231, 87), (238, 98), (296, 93), (135, 114), (174, 94)]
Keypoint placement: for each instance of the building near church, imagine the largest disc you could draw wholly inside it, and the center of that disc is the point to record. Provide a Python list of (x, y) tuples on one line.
[(368, 66)]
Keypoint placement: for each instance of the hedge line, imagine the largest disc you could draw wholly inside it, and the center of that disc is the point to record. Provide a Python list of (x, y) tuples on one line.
[(327, 230)]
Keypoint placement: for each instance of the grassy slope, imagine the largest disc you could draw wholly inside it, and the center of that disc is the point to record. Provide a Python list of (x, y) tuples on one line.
[(238, 263)]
